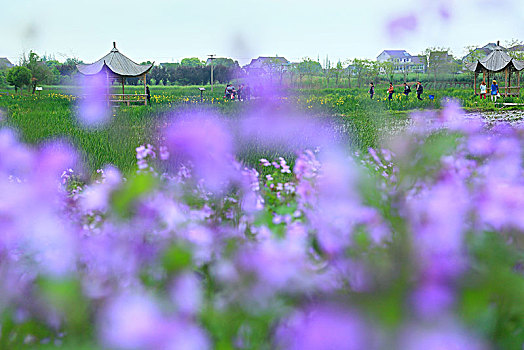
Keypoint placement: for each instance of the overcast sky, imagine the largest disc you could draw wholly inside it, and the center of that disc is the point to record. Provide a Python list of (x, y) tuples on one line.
[(169, 30)]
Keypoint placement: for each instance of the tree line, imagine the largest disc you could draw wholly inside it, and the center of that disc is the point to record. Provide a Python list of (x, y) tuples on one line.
[(439, 65), (33, 70)]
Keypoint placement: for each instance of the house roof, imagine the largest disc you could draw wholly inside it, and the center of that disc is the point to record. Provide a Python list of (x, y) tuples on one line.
[(516, 48), (417, 60), (117, 63), (496, 61), (5, 63), (263, 62), (397, 53)]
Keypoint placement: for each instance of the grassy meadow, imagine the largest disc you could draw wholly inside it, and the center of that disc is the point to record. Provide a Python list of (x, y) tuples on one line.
[(51, 114)]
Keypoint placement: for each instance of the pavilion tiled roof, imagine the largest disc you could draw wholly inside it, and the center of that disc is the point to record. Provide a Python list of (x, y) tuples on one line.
[(117, 63), (496, 61)]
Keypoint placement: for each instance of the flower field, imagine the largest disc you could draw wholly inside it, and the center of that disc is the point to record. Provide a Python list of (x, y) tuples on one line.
[(322, 221)]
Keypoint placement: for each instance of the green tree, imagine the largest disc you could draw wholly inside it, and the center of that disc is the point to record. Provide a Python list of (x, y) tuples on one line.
[(276, 66), (192, 62), (226, 62), (308, 67), (387, 68), (515, 48), (41, 73), (3, 79), (337, 72), (439, 61), (361, 69), (19, 77)]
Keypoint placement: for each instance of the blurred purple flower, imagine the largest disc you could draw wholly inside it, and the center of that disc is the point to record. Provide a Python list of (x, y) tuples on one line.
[(325, 327), (205, 142), (446, 335), (93, 108), (438, 220), (430, 300), (186, 293), (97, 196), (402, 25), (136, 322)]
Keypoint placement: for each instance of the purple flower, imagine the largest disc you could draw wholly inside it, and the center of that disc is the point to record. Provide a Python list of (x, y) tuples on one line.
[(186, 293), (438, 220), (164, 153), (205, 142), (431, 299), (136, 322), (93, 107), (445, 335), (402, 25), (325, 327)]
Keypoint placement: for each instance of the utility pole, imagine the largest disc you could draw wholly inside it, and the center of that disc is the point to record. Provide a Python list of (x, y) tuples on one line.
[(212, 58)]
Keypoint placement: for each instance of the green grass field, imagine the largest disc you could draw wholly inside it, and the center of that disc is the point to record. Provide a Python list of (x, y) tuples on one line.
[(52, 115)]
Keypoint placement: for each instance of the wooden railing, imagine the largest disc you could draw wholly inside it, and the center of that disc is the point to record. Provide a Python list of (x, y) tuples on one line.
[(447, 84), (128, 98), (512, 90)]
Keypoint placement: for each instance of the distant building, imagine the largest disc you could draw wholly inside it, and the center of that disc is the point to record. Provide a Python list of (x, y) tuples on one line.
[(394, 56), (267, 65), (5, 63), (403, 61), (479, 53)]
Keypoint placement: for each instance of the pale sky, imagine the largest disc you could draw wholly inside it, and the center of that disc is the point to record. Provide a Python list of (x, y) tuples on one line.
[(169, 30)]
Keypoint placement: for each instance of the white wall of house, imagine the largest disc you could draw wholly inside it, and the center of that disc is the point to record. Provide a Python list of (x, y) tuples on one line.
[(383, 57)]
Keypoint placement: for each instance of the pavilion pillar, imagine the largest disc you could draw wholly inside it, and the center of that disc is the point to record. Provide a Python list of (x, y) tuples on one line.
[(108, 98), (123, 91), (475, 83), (144, 79), (506, 82), (518, 83), (509, 82)]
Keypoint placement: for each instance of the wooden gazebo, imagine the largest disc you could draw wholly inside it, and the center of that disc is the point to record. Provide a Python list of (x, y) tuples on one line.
[(117, 67), (498, 61)]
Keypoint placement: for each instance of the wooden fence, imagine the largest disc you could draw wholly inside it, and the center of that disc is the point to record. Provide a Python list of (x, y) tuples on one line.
[(447, 84)]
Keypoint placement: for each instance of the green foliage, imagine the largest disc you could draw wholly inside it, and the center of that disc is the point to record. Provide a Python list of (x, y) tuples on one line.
[(3, 79), (191, 62), (40, 71), (19, 77)]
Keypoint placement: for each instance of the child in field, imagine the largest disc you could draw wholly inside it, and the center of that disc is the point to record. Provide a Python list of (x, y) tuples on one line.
[(483, 90), (148, 95), (391, 90), (371, 90), (494, 91)]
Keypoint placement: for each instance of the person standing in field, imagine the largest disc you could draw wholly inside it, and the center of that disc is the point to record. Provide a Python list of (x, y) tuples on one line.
[(247, 92), (483, 90), (494, 91), (391, 90), (240, 92), (407, 89), (371, 90), (420, 90), (148, 95)]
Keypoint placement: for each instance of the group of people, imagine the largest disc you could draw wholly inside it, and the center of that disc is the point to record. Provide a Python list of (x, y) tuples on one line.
[(243, 92), (391, 90), (495, 93)]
